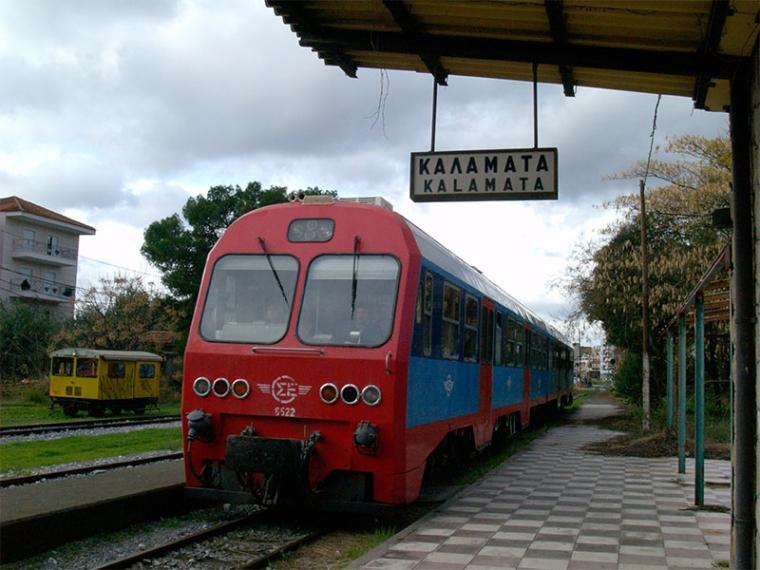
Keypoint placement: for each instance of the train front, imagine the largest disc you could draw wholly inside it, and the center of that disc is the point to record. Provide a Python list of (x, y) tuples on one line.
[(293, 378)]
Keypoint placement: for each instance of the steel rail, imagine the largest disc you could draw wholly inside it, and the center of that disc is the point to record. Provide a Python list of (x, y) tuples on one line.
[(264, 560), (28, 479), (257, 562), (36, 429)]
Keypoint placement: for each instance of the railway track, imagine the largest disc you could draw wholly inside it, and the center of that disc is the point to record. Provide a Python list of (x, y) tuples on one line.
[(37, 429), (241, 548), (27, 479)]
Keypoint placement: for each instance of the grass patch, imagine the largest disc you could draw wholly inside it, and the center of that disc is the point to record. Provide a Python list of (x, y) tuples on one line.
[(23, 412), (26, 455), (367, 542)]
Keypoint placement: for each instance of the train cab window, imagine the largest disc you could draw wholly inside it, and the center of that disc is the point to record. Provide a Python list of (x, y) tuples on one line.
[(470, 328), (427, 316), (349, 300), (249, 298), (450, 326), (62, 366), (87, 367), (147, 370), (116, 370)]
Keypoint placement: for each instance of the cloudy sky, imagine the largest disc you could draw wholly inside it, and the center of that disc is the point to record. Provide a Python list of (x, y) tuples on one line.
[(115, 112)]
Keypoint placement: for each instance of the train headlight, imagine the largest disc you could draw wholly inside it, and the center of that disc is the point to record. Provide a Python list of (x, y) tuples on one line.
[(371, 395), (202, 386), (241, 388), (349, 394), (329, 393), (221, 387)]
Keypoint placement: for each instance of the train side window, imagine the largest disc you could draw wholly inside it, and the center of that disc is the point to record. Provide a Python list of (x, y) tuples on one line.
[(87, 367), (519, 357), (427, 316), (450, 325), (486, 335), (498, 334), (470, 328), (62, 366), (116, 370), (147, 370)]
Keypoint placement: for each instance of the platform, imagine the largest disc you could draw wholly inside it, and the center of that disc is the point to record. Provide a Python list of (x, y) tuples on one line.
[(74, 507), (555, 507)]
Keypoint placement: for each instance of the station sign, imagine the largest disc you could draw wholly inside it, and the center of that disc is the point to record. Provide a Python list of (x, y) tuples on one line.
[(465, 175)]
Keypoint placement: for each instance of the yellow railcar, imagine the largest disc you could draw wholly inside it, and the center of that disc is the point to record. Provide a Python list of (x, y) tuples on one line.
[(96, 380)]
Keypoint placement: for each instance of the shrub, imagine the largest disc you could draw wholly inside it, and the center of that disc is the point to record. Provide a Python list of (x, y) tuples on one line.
[(627, 382)]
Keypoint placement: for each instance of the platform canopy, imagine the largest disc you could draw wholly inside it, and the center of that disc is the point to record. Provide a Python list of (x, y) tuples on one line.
[(685, 47)]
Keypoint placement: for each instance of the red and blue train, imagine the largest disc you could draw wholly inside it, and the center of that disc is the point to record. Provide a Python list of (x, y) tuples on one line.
[(337, 351)]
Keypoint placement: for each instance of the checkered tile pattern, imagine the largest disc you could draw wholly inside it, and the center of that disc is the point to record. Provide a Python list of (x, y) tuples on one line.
[(553, 507)]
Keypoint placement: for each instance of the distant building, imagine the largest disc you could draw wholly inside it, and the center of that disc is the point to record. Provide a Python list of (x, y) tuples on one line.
[(595, 364), (39, 252)]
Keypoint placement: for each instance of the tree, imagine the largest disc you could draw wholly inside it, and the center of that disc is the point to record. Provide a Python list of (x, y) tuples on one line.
[(178, 245), (606, 279), (119, 314), (25, 333)]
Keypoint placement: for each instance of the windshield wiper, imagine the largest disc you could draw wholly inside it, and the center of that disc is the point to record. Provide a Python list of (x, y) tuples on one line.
[(353, 275), (274, 271)]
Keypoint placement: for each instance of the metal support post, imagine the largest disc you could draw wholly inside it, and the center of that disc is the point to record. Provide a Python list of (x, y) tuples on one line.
[(682, 393), (669, 388), (699, 397)]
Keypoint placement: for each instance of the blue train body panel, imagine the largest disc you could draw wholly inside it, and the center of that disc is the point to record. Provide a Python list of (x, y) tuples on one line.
[(507, 386), (440, 390), (540, 383)]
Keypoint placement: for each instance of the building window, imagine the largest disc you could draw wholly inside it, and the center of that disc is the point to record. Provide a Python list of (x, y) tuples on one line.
[(48, 282), (29, 237), (52, 246)]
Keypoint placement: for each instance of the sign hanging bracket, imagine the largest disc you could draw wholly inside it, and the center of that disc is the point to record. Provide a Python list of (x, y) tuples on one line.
[(535, 105)]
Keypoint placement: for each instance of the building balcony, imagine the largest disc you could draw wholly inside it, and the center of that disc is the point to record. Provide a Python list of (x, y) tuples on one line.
[(42, 290), (39, 252)]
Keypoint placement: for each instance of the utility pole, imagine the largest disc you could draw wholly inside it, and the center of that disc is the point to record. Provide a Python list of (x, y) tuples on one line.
[(645, 312)]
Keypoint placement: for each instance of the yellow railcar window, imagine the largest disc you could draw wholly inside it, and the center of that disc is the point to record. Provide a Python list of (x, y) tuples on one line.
[(147, 370), (62, 366), (87, 367), (116, 370)]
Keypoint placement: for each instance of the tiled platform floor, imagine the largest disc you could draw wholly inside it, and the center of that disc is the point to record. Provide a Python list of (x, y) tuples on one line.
[(553, 507)]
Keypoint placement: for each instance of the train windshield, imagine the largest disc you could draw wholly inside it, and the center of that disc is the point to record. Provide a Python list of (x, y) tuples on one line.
[(249, 298), (349, 300)]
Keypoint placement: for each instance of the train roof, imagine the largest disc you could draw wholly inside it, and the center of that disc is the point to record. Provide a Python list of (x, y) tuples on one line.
[(129, 355)]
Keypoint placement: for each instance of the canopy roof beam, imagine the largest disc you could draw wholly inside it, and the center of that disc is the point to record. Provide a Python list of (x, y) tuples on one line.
[(555, 11), (674, 63), (293, 14), (411, 29), (718, 13)]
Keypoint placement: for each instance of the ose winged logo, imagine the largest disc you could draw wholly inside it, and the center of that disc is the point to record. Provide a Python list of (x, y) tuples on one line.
[(284, 389)]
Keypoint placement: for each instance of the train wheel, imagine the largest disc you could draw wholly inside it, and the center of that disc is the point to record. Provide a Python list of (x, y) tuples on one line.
[(97, 411), (115, 410), (139, 410), (70, 410)]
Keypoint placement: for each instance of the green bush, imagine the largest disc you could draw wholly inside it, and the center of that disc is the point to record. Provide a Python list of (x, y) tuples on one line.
[(25, 334), (36, 395), (627, 381)]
